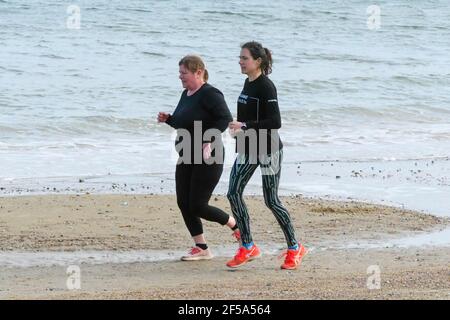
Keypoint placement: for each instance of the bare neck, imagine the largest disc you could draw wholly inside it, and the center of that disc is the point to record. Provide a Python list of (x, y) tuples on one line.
[(195, 88), (254, 75)]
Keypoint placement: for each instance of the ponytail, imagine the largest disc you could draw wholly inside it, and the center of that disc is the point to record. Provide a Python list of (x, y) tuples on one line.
[(267, 66)]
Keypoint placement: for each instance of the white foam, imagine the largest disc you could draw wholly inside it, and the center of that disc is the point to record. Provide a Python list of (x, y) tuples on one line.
[(13, 259)]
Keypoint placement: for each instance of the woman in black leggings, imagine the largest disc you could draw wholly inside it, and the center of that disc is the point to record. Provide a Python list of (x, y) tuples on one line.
[(201, 110), (258, 144)]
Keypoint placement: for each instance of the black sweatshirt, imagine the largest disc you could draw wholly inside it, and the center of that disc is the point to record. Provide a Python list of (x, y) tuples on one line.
[(258, 108), (207, 105)]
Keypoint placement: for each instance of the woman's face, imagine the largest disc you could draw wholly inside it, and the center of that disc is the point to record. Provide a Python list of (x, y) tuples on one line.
[(189, 79), (247, 63)]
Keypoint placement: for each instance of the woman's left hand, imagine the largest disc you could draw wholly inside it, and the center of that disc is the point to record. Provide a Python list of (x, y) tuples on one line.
[(235, 125), (206, 151)]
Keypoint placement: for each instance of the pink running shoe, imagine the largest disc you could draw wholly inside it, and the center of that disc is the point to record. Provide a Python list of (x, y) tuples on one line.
[(196, 254)]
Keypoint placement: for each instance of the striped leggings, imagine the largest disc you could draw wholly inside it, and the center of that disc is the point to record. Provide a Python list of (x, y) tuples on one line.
[(243, 169)]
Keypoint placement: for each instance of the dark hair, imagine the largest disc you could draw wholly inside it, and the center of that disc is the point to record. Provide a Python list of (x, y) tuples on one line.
[(258, 51), (194, 63)]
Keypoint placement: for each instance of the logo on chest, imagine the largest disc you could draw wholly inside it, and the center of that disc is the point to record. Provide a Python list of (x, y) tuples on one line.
[(243, 98)]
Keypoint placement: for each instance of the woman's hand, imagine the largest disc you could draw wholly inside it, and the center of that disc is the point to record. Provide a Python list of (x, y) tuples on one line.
[(234, 128), (206, 151), (163, 116), (235, 125)]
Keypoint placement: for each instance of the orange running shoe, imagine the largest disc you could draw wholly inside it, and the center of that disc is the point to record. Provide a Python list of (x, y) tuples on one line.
[(243, 256), (293, 258)]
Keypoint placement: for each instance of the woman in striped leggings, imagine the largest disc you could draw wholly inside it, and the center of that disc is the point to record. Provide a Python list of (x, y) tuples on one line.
[(258, 144)]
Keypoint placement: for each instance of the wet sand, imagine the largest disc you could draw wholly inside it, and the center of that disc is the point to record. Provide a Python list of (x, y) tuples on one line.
[(120, 223)]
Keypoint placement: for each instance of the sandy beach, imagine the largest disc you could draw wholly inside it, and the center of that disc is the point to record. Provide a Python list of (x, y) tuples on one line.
[(347, 240)]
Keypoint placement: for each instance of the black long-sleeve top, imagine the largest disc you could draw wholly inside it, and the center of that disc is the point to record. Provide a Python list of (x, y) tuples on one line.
[(207, 105), (258, 107)]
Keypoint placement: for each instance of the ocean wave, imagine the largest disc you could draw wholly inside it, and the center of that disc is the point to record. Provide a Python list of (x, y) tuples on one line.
[(379, 159), (14, 70), (406, 114), (87, 126), (154, 54), (6, 130), (136, 10), (408, 79), (54, 56), (239, 14), (409, 27), (346, 57)]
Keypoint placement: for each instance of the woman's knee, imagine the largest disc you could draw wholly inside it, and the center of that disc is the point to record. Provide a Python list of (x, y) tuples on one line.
[(197, 208), (183, 205), (272, 202), (233, 195)]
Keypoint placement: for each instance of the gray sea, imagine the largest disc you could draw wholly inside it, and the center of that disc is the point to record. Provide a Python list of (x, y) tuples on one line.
[(78, 102)]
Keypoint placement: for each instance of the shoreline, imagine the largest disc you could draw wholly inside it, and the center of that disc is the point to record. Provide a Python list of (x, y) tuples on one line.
[(415, 184)]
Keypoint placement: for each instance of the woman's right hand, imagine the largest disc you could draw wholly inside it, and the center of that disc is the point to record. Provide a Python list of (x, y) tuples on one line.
[(234, 128), (163, 116)]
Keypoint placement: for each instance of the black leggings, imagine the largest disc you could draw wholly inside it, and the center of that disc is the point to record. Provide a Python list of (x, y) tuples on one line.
[(194, 185)]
